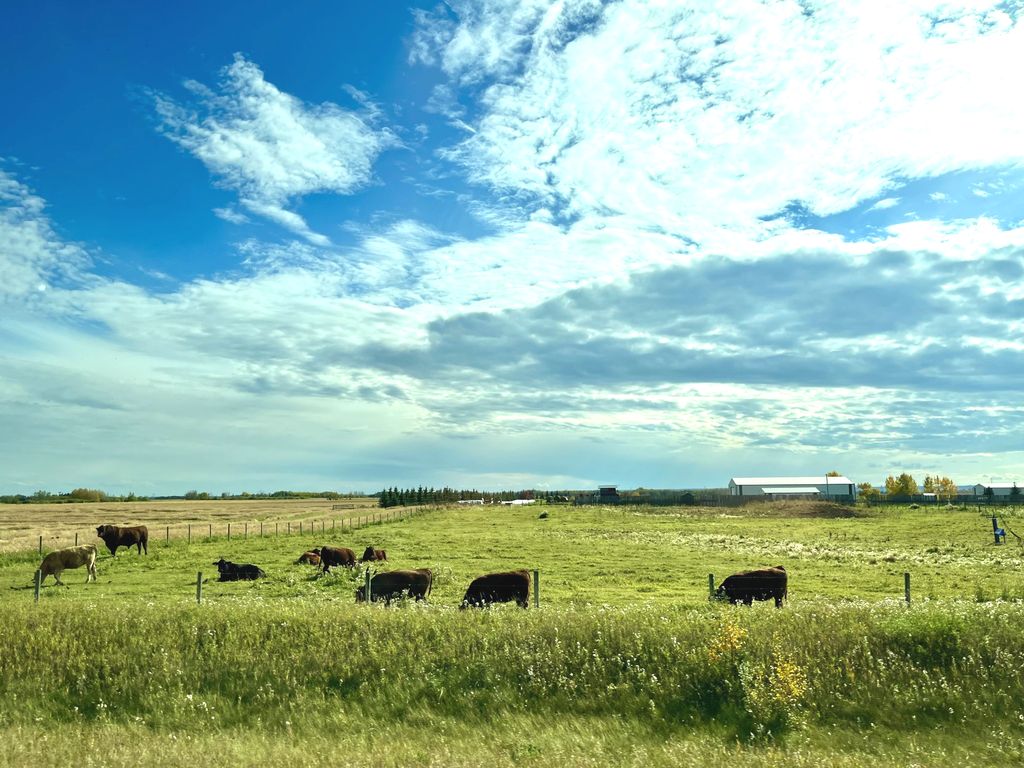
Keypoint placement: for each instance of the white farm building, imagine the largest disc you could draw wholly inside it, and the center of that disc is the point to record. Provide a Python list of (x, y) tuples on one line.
[(998, 489), (819, 487)]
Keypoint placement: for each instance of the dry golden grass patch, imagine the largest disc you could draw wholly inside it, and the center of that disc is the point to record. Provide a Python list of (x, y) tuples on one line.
[(21, 525)]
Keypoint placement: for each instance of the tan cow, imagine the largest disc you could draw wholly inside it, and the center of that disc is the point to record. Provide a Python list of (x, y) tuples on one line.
[(73, 557)]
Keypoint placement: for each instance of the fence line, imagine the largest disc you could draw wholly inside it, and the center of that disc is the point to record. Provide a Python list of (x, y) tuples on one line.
[(183, 532)]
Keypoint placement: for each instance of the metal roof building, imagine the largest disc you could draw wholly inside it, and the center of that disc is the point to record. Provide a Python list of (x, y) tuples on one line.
[(818, 486)]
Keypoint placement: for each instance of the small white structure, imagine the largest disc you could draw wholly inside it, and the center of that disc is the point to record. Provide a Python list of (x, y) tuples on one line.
[(819, 487), (998, 489), (517, 502), (471, 501)]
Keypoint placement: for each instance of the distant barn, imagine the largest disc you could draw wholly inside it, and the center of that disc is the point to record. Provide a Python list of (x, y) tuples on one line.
[(820, 487)]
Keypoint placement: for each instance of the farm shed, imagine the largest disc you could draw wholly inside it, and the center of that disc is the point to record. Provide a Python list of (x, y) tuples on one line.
[(819, 487), (998, 489)]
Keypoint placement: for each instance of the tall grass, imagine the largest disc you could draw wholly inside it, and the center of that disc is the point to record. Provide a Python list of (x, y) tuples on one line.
[(281, 667)]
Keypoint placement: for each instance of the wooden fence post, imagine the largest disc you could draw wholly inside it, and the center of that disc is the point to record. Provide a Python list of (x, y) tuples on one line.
[(167, 535), (40, 545), (229, 531), (536, 588), (39, 583), (261, 529), (199, 587), (711, 585), (190, 533), (275, 530), (369, 596), (906, 587), (211, 530), (246, 532), (289, 527)]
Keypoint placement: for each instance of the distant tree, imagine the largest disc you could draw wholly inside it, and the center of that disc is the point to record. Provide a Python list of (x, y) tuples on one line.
[(904, 485), (945, 488), (929, 484), (1015, 492), (87, 494), (868, 491), (988, 493), (833, 473)]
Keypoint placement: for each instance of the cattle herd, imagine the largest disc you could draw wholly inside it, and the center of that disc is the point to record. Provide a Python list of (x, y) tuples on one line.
[(511, 586)]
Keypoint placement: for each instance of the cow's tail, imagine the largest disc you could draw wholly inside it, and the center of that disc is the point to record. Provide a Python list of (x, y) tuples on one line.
[(430, 581)]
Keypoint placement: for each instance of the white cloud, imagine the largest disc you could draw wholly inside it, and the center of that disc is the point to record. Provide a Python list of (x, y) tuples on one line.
[(938, 196), (32, 255), (231, 215), (686, 115), (888, 202), (270, 146)]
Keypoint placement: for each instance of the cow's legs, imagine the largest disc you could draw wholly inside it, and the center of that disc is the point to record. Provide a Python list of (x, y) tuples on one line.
[(778, 601), (90, 573), (56, 576), (748, 600)]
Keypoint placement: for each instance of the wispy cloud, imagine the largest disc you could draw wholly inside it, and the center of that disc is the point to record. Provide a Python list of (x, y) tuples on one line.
[(271, 147)]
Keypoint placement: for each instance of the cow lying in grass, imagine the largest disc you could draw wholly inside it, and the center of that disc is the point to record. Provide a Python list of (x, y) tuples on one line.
[(312, 557), (73, 557), (372, 554), (238, 572)]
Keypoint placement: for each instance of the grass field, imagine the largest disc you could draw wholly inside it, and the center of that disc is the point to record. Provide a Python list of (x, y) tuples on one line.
[(625, 661)]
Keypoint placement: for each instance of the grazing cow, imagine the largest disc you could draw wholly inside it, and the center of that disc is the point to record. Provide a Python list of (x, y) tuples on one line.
[(392, 585), (748, 586), (499, 588), (115, 536), (73, 557), (332, 556), (312, 557), (238, 571), (373, 554)]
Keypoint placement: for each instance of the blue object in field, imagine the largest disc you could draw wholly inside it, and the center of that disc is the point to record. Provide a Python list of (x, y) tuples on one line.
[(998, 532)]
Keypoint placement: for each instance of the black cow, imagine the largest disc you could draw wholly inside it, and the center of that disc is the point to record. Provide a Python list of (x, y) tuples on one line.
[(238, 571), (760, 584), (372, 554), (331, 556), (392, 585), (512, 586), (115, 536)]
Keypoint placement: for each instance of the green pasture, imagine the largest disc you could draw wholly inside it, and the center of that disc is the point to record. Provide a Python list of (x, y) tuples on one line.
[(589, 556), (626, 662)]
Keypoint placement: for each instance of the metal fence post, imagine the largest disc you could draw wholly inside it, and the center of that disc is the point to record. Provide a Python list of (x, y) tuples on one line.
[(76, 538), (711, 585), (40, 545), (906, 587), (369, 596), (199, 587), (167, 535), (289, 527), (536, 588), (190, 533), (39, 582)]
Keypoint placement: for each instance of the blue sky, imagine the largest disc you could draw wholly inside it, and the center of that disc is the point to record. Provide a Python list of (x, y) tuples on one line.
[(509, 244)]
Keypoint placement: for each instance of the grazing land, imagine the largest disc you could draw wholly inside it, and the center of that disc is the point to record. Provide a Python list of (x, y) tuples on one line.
[(626, 661)]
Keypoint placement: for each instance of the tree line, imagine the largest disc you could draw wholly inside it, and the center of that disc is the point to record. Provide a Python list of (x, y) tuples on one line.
[(80, 495), (403, 497)]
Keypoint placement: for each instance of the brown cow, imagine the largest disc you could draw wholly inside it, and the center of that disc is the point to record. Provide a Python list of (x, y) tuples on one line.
[(73, 557), (331, 556), (392, 585), (372, 554), (115, 536), (499, 588), (312, 557), (760, 584)]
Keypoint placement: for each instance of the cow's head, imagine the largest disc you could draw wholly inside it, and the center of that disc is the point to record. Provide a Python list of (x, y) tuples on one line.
[(222, 564), (101, 530), (719, 594)]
